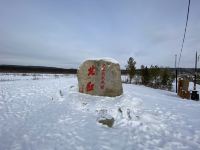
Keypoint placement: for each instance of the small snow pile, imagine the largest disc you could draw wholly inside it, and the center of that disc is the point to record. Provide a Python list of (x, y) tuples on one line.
[(120, 110)]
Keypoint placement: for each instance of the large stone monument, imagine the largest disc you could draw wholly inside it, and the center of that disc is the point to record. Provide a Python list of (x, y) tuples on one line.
[(100, 77)]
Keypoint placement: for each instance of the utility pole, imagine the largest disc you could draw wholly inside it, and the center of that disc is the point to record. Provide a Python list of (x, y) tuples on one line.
[(195, 95), (176, 70), (195, 73)]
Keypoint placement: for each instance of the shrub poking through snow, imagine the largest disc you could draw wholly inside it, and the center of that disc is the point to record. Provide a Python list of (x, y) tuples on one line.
[(107, 121)]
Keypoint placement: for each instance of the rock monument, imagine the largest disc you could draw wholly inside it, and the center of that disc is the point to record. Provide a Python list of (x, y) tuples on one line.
[(100, 77)]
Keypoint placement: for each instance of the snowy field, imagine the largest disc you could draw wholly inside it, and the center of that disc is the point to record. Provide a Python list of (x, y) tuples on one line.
[(45, 112)]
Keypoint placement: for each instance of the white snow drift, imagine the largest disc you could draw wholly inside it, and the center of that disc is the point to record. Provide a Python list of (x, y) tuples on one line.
[(49, 113)]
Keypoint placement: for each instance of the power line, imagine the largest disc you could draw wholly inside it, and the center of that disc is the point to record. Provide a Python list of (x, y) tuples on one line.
[(188, 11)]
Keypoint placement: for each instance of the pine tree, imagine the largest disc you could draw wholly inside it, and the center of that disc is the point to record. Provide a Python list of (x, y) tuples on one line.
[(166, 79), (145, 75), (154, 74), (131, 69)]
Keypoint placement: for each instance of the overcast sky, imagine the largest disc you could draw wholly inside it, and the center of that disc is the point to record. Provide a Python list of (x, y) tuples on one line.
[(63, 33)]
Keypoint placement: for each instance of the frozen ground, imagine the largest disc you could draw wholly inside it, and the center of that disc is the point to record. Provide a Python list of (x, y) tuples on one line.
[(49, 114)]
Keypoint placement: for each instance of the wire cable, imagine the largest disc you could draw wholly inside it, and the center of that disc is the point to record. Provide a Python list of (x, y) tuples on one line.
[(188, 11)]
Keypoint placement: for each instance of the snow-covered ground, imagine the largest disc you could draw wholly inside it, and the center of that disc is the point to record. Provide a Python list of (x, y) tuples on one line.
[(49, 114), (26, 76)]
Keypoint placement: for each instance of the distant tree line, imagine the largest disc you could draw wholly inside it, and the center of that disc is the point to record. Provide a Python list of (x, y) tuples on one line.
[(35, 69), (153, 76)]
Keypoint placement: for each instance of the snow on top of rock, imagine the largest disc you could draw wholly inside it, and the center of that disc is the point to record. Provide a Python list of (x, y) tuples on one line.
[(105, 59)]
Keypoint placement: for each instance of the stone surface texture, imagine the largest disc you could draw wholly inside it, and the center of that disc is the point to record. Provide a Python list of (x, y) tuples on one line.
[(100, 77)]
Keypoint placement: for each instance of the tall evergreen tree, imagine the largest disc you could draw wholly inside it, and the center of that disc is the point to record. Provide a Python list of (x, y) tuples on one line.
[(165, 77), (145, 75), (131, 69), (154, 73)]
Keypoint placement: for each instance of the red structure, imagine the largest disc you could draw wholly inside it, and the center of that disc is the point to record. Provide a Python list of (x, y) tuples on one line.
[(103, 76), (91, 71), (90, 87)]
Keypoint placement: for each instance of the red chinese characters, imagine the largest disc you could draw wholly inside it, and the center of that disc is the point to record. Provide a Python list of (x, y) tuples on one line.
[(90, 86), (91, 71), (103, 76)]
